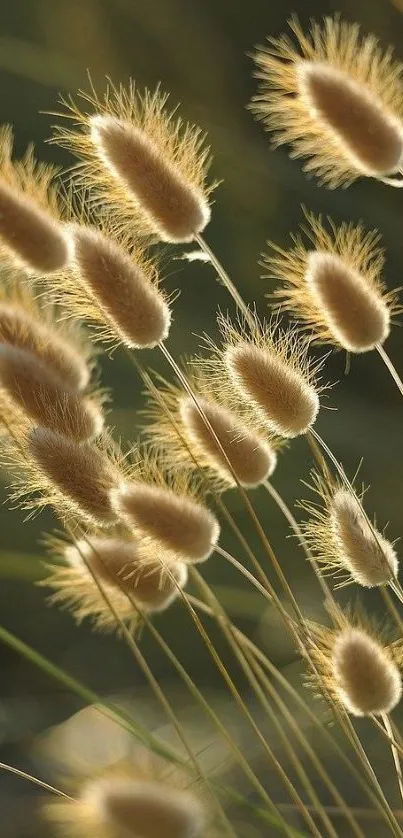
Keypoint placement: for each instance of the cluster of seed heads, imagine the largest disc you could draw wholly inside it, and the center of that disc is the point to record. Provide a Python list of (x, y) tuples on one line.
[(136, 523)]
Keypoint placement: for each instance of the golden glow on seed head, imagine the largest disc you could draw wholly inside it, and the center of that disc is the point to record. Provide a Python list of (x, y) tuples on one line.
[(366, 678), (31, 234), (144, 163), (331, 280), (181, 523), (336, 97)]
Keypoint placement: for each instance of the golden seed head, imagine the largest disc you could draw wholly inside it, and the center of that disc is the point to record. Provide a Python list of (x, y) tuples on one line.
[(23, 327), (252, 459), (336, 97), (36, 391), (30, 228), (143, 808), (366, 678), (142, 161), (286, 400), (129, 299), (370, 136), (333, 284), (368, 556), (133, 567), (173, 208), (78, 477), (181, 523), (356, 315)]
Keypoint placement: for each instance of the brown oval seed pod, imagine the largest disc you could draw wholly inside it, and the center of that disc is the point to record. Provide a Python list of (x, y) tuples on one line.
[(32, 235), (367, 679)]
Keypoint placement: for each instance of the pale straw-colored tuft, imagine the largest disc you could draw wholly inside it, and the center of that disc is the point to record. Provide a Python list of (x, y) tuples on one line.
[(117, 289), (366, 678), (180, 522), (133, 573), (268, 368), (336, 97), (333, 284), (41, 396), (31, 233), (143, 162), (126, 804), (344, 542), (27, 323), (75, 479)]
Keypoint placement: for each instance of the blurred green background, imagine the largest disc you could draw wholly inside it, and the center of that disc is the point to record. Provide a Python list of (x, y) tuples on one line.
[(199, 51)]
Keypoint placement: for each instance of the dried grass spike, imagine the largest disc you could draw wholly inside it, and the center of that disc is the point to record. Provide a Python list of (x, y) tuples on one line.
[(336, 97), (124, 288), (35, 390), (30, 228), (23, 327), (79, 478), (174, 208), (181, 523), (287, 401), (366, 678), (142, 161), (134, 567), (333, 284), (252, 459), (365, 553)]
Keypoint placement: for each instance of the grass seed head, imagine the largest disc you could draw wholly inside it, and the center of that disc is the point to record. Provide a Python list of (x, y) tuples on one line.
[(76, 479), (333, 284), (124, 289), (366, 678), (30, 229), (336, 97), (180, 522), (42, 397), (147, 165)]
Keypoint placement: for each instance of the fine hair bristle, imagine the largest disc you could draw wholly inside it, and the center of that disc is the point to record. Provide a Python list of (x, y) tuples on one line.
[(287, 401), (143, 808), (181, 523), (173, 207), (357, 316), (252, 459), (25, 327), (132, 566), (125, 289), (331, 281), (336, 97), (79, 477), (368, 556), (41, 395), (366, 678)]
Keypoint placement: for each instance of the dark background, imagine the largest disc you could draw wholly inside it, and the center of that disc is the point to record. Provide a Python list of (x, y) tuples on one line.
[(199, 51)]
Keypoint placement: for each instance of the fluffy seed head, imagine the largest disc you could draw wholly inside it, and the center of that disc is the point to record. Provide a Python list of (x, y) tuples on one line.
[(30, 229), (146, 164), (344, 542), (26, 325), (287, 401), (134, 566), (252, 459), (336, 97), (335, 285), (123, 288), (181, 523), (40, 395), (123, 805), (76, 479), (366, 678), (147, 809)]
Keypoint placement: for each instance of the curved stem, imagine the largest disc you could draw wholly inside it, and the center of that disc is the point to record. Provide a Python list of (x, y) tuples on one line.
[(390, 366), (35, 780), (391, 181), (395, 754), (226, 281)]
